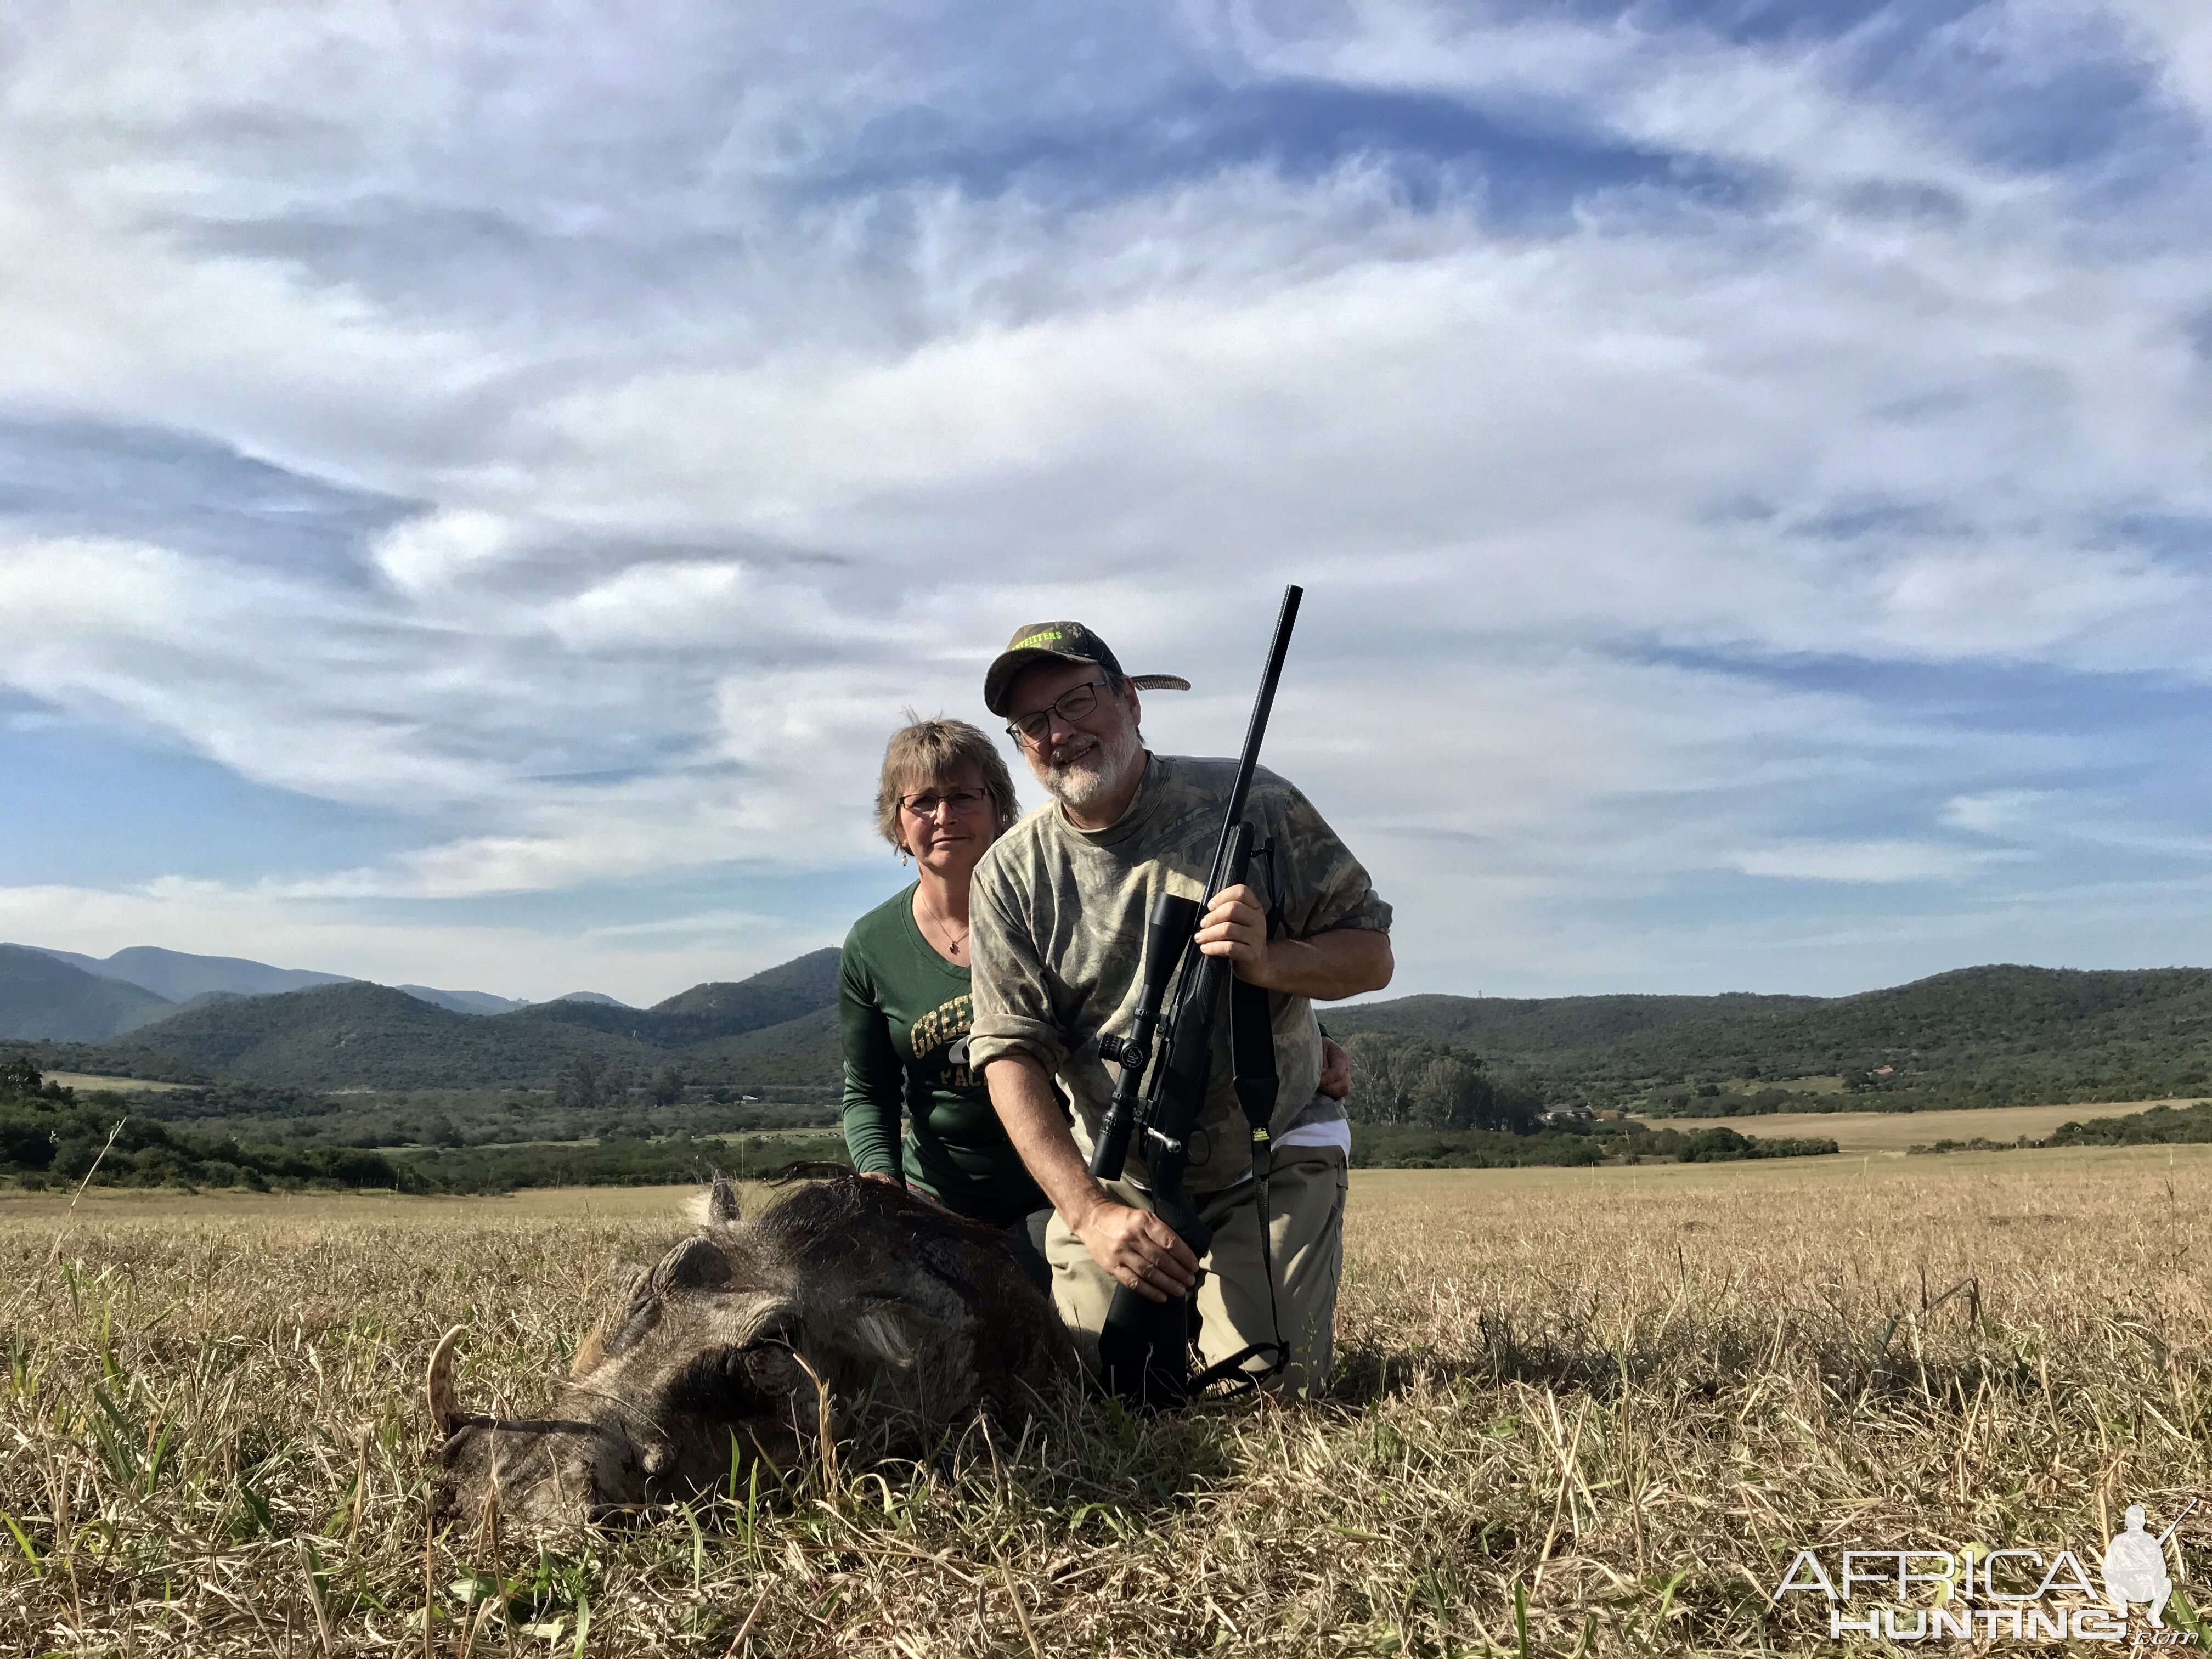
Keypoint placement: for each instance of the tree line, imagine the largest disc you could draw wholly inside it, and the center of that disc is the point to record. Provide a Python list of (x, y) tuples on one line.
[(1434, 1085), (53, 1136)]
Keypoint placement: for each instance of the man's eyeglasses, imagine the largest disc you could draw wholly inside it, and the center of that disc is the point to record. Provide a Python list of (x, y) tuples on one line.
[(961, 801), (1071, 706)]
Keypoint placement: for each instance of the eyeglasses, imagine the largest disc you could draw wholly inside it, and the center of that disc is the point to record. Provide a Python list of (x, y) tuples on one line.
[(1071, 706), (961, 801)]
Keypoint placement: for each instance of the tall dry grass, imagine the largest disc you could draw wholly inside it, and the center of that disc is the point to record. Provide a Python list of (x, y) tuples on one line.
[(1576, 1411)]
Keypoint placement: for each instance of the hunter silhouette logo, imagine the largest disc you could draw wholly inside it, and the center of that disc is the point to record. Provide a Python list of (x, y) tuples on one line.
[(2135, 1566), (1980, 1593)]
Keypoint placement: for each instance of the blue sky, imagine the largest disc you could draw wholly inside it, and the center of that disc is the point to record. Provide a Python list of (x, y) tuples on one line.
[(477, 488)]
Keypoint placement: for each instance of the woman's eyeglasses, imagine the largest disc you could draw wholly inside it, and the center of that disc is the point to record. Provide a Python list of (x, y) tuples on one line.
[(1071, 706), (961, 801)]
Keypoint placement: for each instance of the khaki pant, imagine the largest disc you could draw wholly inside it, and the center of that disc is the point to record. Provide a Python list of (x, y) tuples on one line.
[(1305, 1237)]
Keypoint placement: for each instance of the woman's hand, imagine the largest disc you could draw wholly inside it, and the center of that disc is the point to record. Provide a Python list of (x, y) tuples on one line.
[(870, 1174), (1335, 1070)]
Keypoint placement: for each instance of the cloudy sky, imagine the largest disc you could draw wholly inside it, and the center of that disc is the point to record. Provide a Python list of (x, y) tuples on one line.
[(479, 482)]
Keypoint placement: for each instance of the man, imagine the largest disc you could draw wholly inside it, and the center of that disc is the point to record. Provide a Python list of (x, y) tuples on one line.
[(1058, 911)]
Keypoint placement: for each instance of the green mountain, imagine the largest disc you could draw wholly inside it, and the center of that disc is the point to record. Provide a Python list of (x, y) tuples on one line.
[(770, 997), (799, 1051), (179, 976), (43, 997), (359, 1035), (1980, 1036), (705, 1012)]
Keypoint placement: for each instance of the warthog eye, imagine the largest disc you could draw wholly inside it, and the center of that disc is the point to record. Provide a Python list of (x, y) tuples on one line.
[(728, 1383)]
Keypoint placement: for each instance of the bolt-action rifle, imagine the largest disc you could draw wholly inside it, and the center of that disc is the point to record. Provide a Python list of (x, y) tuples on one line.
[(1144, 1348)]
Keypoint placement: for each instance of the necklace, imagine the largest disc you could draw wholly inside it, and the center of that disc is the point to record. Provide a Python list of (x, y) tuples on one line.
[(952, 946)]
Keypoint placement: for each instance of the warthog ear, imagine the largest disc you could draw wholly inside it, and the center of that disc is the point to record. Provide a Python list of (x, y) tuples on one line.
[(892, 1331), (721, 1203), (717, 1207), (441, 1389)]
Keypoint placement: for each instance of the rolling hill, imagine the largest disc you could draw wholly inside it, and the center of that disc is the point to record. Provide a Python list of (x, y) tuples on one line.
[(1979, 1036), (797, 1051), (43, 997), (179, 976), (359, 1035), (718, 1009), (463, 1002), (1998, 1036)]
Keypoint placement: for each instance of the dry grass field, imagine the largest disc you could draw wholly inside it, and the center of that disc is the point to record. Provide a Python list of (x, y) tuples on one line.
[(1895, 1131), (1576, 1412), (86, 1081)]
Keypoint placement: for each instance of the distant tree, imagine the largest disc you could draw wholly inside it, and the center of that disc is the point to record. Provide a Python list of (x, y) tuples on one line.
[(668, 1087), (20, 1081), (1447, 1093), (1517, 1105), (1378, 1091), (1410, 1080), (583, 1082)]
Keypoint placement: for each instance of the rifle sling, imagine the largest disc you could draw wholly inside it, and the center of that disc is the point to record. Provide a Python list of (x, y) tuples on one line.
[(1252, 1050)]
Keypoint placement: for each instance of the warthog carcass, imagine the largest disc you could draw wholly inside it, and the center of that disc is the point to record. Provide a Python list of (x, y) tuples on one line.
[(851, 1304)]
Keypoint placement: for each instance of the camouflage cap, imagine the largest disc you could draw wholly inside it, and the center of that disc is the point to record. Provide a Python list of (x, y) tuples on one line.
[(1061, 641)]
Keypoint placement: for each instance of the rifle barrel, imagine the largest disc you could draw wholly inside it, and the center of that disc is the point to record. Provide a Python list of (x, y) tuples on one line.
[(2178, 1520), (1286, 620)]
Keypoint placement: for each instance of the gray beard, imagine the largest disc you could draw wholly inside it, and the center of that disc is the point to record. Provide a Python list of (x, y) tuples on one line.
[(1081, 780)]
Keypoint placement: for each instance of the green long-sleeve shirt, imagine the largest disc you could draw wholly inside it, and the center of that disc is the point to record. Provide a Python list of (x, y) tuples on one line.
[(903, 1013)]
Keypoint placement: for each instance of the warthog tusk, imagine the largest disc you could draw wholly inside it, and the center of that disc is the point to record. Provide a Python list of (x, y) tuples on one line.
[(440, 1387)]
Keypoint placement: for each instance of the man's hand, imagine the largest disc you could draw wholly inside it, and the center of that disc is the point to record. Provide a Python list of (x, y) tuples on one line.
[(1342, 962), (1335, 1070), (1236, 927), (870, 1174), (1138, 1249)]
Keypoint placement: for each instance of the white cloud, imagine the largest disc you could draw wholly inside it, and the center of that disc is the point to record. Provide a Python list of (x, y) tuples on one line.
[(423, 554), (1995, 811), (729, 439), (1857, 861)]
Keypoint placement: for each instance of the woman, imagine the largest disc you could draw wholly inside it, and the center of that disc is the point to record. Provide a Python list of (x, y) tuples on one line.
[(903, 985)]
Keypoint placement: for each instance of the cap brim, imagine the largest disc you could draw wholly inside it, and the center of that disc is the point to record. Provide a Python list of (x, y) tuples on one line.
[(998, 679)]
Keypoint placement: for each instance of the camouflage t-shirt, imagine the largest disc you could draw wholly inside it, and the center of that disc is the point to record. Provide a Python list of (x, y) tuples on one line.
[(1059, 933)]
